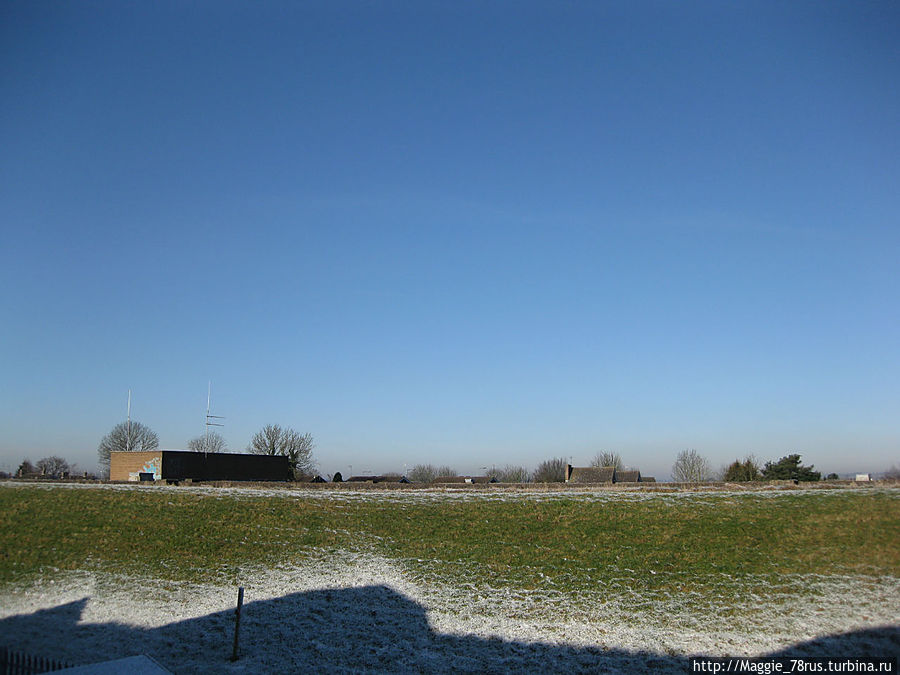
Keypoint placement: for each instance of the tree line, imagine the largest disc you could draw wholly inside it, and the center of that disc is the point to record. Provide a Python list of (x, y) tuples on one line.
[(689, 467), (48, 467), (551, 470)]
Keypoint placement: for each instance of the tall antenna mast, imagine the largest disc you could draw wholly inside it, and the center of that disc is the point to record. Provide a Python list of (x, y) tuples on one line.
[(210, 417), (128, 433)]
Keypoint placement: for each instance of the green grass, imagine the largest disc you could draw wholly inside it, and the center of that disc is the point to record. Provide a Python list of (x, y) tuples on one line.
[(684, 541), (690, 542)]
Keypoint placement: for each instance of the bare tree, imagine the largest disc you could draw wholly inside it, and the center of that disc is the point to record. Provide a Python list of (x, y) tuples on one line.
[(425, 473), (893, 473), (691, 467), (512, 474), (551, 471), (297, 447), (53, 466), (126, 437), (606, 458), (446, 471), (422, 473), (213, 442)]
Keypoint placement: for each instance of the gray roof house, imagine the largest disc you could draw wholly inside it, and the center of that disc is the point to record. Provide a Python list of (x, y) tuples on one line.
[(604, 475)]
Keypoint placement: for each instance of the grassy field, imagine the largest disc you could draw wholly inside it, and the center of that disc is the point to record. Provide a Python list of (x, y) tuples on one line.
[(660, 543)]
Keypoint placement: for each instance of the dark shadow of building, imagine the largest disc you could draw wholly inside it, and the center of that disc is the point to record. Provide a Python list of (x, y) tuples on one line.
[(367, 629)]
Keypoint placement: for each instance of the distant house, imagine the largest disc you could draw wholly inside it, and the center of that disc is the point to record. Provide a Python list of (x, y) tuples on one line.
[(628, 476), (604, 475), (863, 477), (589, 474), (176, 465)]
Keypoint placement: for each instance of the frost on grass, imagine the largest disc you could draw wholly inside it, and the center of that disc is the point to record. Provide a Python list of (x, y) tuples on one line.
[(355, 611), (426, 495), (360, 612)]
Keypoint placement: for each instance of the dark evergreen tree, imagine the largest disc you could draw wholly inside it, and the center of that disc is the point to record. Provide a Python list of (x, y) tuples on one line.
[(789, 468)]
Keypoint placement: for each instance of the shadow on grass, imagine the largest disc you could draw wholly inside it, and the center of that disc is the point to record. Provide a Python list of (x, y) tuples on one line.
[(367, 629)]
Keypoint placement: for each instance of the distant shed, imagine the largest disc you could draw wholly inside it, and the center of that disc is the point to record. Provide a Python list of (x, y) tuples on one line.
[(175, 465), (587, 474), (604, 475)]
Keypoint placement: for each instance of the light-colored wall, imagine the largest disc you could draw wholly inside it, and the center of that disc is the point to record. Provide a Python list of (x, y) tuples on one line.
[(128, 465)]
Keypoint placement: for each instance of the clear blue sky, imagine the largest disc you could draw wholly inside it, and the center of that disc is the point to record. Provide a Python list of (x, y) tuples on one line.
[(453, 232)]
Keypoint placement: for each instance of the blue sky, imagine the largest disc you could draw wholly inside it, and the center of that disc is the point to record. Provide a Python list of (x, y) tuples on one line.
[(459, 233)]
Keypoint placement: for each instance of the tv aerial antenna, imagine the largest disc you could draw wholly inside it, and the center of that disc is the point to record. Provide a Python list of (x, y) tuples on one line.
[(210, 418), (128, 427)]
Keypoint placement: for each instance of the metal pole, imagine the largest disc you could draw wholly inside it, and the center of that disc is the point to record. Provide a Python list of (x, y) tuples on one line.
[(210, 417), (128, 431), (237, 623), (208, 394)]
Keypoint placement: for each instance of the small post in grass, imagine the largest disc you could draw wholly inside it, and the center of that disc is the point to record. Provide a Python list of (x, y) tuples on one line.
[(237, 623)]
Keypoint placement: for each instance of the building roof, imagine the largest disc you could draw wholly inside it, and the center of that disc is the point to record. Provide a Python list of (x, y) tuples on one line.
[(628, 476), (589, 474)]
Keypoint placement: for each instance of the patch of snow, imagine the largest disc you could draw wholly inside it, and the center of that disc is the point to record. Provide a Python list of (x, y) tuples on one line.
[(357, 612)]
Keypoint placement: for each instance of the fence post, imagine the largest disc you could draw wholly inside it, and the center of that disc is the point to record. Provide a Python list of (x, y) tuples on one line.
[(237, 623)]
